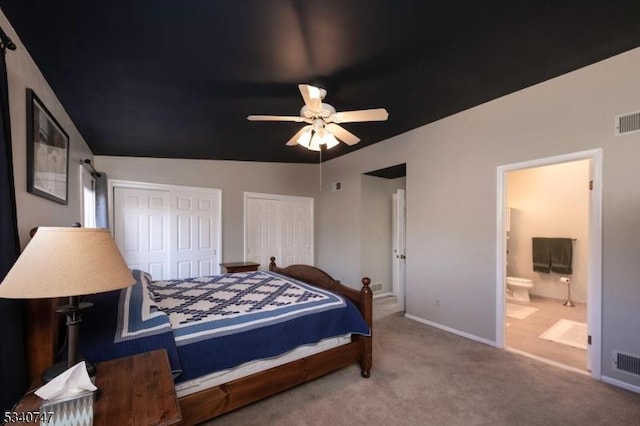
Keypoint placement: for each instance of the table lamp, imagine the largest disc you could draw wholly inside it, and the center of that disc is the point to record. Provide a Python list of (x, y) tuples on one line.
[(67, 262)]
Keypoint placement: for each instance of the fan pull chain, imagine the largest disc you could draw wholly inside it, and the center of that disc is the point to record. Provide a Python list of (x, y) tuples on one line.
[(320, 168)]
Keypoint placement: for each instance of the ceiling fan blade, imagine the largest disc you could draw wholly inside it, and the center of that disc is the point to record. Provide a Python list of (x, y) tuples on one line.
[(277, 118), (312, 97), (343, 134), (376, 114), (294, 140)]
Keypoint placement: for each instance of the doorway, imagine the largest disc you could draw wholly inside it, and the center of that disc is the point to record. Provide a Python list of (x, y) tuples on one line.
[(398, 255), (383, 232), (551, 296)]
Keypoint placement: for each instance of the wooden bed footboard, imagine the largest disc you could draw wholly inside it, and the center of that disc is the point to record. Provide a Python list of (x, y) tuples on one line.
[(363, 299), (215, 401), (44, 325)]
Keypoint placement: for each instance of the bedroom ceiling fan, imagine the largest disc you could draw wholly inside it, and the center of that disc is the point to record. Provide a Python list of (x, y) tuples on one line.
[(323, 122)]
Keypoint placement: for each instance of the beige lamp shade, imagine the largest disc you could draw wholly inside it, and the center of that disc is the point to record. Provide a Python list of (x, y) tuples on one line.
[(60, 262)]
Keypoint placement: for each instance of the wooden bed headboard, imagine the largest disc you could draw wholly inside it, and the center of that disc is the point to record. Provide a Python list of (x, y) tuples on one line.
[(315, 276)]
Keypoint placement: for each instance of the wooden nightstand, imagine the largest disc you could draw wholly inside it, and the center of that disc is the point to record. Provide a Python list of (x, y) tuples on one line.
[(232, 267), (136, 390)]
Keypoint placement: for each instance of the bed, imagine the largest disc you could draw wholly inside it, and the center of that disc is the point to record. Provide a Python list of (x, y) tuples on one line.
[(284, 353)]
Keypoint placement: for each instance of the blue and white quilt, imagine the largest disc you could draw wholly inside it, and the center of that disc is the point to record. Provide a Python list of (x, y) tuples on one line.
[(222, 321), (214, 323), (207, 307), (126, 322)]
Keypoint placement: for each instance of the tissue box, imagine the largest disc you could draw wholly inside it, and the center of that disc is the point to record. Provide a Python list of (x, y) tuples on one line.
[(75, 410)]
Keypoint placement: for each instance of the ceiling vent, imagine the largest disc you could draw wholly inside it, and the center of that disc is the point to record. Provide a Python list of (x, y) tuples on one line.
[(628, 123), (626, 362)]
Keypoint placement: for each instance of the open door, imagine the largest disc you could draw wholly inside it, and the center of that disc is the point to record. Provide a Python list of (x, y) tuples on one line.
[(398, 258)]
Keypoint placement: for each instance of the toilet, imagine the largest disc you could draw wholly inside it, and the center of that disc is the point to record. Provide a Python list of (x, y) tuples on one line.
[(519, 288)]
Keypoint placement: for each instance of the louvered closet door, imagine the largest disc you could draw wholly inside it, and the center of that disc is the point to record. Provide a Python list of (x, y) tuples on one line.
[(194, 234), (141, 229)]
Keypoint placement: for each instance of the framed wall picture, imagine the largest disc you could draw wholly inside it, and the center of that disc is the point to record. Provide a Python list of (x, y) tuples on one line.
[(47, 153)]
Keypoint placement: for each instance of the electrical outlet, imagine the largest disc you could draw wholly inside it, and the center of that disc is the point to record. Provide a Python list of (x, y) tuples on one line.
[(438, 303)]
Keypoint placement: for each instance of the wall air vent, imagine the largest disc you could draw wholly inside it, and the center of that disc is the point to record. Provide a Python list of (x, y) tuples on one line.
[(376, 288), (628, 123), (626, 362)]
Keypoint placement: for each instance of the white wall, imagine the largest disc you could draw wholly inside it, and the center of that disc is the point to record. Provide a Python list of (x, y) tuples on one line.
[(451, 198), (550, 201), (232, 177), (32, 210)]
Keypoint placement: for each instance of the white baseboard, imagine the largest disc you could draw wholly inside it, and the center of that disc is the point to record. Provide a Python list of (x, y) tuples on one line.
[(620, 384), (452, 330)]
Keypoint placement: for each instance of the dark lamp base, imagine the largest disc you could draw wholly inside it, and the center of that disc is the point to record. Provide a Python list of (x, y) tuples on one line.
[(59, 368)]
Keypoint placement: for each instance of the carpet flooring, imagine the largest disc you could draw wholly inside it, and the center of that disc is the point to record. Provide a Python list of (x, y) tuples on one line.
[(425, 376)]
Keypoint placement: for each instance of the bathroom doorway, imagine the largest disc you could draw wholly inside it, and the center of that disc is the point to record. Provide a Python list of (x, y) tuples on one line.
[(382, 220), (559, 198)]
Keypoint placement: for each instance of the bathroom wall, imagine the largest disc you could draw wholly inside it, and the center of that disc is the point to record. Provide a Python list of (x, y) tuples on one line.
[(549, 201)]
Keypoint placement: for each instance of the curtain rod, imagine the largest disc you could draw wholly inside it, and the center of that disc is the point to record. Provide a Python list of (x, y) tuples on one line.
[(87, 162), (6, 41)]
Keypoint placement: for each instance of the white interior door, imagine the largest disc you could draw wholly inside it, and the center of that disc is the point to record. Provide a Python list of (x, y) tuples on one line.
[(398, 258), (296, 233), (263, 231), (279, 226), (169, 231), (193, 245), (141, 229)]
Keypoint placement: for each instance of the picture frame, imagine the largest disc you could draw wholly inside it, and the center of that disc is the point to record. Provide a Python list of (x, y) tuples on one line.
[(47, 153)]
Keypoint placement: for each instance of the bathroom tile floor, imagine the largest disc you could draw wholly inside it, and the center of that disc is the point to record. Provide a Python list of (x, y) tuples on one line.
[(523, 334)]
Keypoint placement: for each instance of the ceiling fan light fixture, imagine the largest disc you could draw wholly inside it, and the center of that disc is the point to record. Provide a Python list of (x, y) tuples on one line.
[(323, 121), (305, 137), (314, 143), (329, 140)]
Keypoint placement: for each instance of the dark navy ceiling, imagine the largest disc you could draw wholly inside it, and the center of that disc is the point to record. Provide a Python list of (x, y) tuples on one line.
[(177, 78)]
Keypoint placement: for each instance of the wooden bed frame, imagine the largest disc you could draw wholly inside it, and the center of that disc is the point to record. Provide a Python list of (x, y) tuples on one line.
[(43, 334)]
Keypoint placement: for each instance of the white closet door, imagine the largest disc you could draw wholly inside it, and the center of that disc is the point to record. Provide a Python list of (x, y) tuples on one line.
[(194, 234), (141, 229), (296, 233), (279, 226), (263, 231)]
